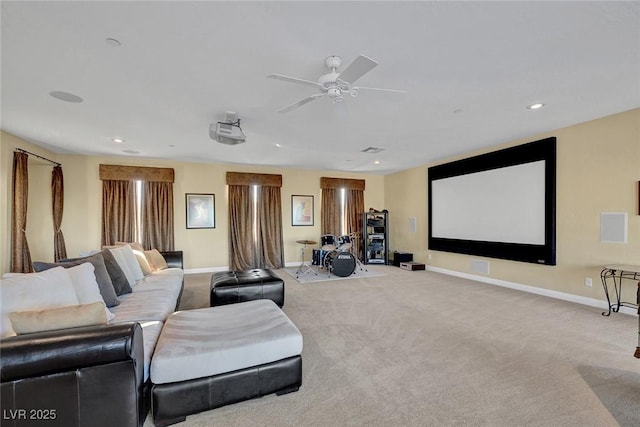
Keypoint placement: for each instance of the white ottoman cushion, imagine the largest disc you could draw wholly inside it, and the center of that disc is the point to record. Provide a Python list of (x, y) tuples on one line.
[(210, 341)]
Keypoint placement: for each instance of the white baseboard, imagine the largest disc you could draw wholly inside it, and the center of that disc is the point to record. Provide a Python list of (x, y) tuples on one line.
[(533, 289), (205, 270), (226, 268)]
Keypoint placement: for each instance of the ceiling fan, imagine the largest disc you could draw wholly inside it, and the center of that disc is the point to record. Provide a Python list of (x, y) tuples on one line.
[(334, 84)]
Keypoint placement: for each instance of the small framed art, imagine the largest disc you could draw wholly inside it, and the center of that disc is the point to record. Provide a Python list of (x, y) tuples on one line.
[(301, 210), (201, 210)]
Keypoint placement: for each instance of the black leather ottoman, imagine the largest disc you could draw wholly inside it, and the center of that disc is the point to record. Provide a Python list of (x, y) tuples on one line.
[(230, 287)]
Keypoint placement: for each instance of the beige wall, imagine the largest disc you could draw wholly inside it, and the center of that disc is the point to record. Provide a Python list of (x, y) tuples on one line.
[(597, 172), (598, 169), (203, 248)]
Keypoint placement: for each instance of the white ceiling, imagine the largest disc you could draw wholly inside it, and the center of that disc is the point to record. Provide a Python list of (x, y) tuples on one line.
[(470, 69)]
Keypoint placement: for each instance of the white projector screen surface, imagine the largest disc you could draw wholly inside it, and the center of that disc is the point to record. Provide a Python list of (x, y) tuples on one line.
[(499, 205)]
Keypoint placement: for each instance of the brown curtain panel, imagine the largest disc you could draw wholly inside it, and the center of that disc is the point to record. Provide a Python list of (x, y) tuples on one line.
[(354, 206), (330, 211), (118, 212), (20, 255), (242, 251), (270, 226), (57, 207), (157, 216)]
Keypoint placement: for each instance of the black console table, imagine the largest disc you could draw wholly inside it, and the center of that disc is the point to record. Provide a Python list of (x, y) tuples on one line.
[(617, 273)]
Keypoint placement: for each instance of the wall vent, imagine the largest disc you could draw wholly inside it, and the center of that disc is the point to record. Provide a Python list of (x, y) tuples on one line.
[(480, 266)]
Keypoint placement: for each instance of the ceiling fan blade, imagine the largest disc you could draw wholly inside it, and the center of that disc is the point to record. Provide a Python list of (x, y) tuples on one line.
[(358, 68), (379, 89), (300, 103), (294, 80)]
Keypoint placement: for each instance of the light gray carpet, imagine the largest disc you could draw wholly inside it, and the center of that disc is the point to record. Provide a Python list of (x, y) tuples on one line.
[(317, 274), (425, 349)]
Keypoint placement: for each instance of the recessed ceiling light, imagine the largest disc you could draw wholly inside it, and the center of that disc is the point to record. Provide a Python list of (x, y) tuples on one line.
[(535, 106), (377, 162), (131, 151), (113, 42), (65, 96), (118, 140), (278, 145)]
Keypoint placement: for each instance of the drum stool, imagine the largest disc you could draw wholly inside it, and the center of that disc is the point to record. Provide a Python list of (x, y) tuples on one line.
[(229, 287)]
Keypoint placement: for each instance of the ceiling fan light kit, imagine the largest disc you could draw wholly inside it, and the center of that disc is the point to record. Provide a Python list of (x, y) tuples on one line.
[(334, 84)]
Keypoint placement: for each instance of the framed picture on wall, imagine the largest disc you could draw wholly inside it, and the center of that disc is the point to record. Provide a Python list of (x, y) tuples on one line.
[(201, 210), (301, 210)]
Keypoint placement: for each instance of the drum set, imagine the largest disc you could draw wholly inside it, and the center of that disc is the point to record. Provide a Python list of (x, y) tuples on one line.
[(336, 255)]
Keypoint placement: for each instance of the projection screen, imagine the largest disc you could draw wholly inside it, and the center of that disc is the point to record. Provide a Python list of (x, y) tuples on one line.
[(500, 204)]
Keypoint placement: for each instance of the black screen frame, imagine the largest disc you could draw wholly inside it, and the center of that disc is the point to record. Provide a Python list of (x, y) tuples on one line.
[(544, 149)]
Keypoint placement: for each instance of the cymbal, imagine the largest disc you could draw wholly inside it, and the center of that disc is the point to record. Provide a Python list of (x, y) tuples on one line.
[(306, 242)]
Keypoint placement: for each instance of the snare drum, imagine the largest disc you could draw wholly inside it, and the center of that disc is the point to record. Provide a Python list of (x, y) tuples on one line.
[(341, 264), (328, 242), (344, 243)]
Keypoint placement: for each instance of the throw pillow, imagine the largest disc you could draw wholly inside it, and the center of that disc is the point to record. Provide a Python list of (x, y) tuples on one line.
[(27, 322), (142, 261), (103, 279), (34, 291), (138, 251), (156, 260), (118, 278), (120, 255), (132, 262), (134, 245), (87, 290)]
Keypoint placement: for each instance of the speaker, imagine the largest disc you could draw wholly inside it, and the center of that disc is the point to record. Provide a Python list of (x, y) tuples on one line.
[(613, 227), (412, 224)]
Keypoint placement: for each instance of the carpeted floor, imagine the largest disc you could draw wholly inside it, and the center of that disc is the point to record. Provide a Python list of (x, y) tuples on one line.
[(425, 349)]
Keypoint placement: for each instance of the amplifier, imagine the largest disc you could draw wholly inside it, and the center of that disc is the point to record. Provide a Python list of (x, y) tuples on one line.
[(412, 266)]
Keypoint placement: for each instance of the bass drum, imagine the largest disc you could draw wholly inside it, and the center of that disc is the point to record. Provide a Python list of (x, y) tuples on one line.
[(342, 264)]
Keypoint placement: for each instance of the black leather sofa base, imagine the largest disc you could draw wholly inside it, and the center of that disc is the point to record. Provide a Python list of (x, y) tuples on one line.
[(172, 402), (231, 287), (82, 377)]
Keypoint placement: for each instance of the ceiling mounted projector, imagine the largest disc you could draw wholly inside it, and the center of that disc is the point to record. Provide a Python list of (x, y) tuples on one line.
[(229, 131)]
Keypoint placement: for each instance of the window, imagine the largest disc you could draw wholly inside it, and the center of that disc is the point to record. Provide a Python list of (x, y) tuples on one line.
[(137, 206), (255, 221)]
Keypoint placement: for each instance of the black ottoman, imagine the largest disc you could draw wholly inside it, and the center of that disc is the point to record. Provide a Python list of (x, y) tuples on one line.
[(230, 287)]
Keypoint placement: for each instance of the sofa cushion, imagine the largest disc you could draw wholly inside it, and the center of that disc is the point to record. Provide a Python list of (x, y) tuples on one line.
[(35, 291), (152, 304), (105, 285), (150, 333), (167, 283), (73, 316), (209, 341), (171, 271)]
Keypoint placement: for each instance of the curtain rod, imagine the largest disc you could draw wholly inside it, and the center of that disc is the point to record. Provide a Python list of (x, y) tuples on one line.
[(40, 157)]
